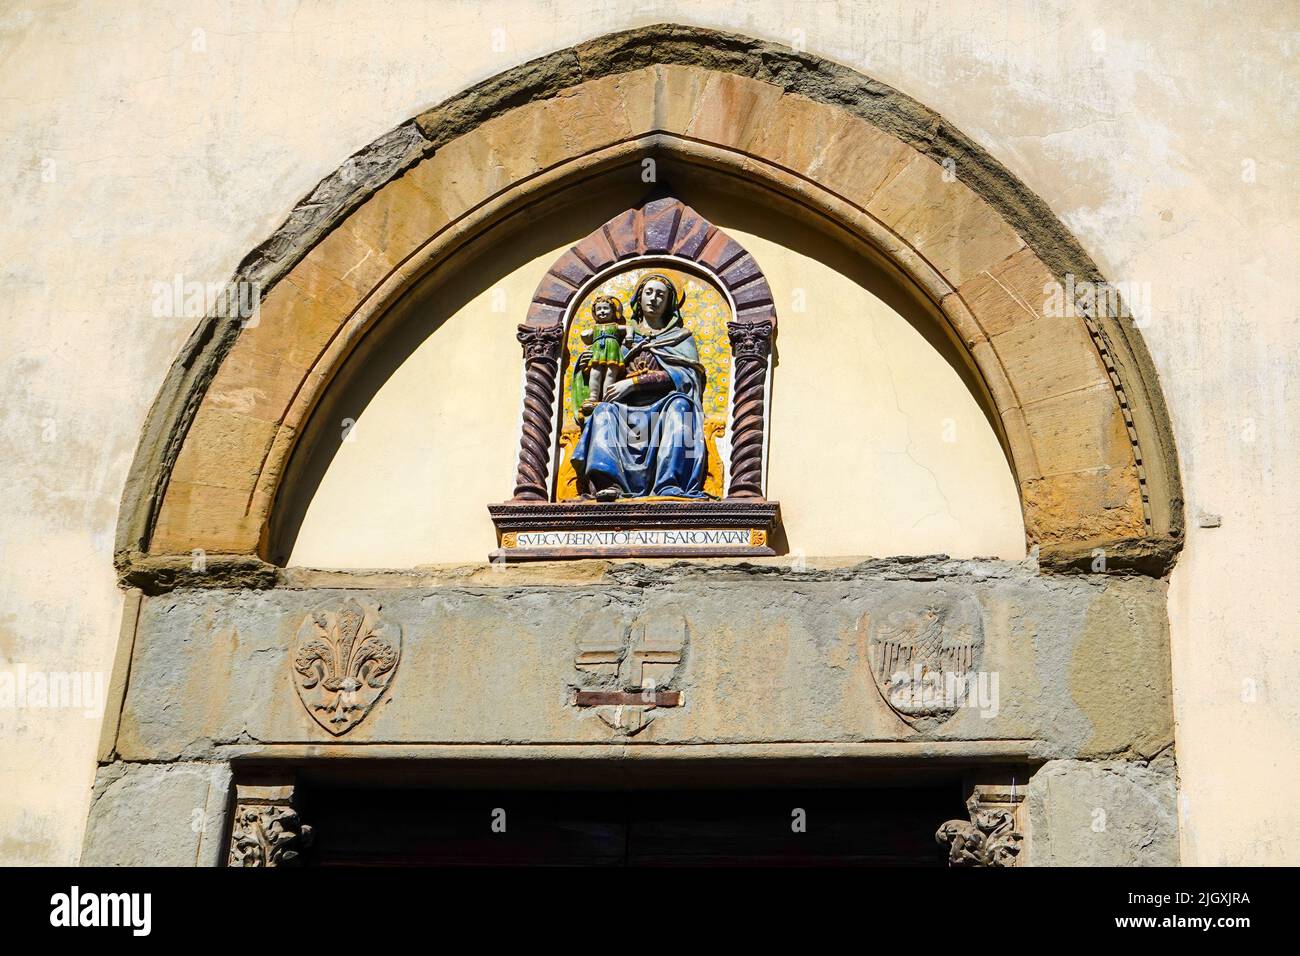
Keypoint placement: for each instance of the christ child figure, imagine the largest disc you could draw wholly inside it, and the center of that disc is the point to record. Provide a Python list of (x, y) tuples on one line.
[(606, 341)]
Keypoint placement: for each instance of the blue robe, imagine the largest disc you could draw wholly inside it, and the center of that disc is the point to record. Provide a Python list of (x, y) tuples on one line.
[(656, 448)]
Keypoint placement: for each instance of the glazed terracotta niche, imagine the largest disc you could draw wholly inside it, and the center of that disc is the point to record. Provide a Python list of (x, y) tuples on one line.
[(646, 352)]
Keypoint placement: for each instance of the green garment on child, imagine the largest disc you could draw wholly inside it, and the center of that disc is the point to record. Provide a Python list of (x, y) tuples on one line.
[(607, 351)]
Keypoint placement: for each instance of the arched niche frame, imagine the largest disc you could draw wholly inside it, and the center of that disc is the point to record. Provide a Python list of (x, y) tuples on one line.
[(1075, 394), (661, 232)]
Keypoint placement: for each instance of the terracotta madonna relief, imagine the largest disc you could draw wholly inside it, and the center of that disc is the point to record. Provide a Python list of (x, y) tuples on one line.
[(645, 390), (631, 346)]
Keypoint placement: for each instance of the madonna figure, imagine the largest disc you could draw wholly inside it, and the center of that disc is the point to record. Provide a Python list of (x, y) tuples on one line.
[(646, 435)]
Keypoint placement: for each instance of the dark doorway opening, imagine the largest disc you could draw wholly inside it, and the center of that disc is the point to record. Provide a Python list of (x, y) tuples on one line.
[(820, 827)]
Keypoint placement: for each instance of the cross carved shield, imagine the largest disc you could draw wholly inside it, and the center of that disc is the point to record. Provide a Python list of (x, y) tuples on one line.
[(627, 674)]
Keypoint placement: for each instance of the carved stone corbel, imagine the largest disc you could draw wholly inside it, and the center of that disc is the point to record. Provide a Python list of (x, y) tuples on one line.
[(266, 830), (541, 344), (751, 344), (994, 834)]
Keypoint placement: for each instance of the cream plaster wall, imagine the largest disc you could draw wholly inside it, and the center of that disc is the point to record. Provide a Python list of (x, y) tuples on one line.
[(876, 444), (147, 140)]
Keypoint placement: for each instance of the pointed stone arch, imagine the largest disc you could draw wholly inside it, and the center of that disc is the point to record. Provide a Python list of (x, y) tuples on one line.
[(1075, 395)]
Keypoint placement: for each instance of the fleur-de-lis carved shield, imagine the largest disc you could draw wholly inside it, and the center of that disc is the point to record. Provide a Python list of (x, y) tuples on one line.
[(343, 662)]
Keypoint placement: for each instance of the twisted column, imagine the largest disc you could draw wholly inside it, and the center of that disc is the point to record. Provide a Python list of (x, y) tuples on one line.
[(541, 344), (751, 343)]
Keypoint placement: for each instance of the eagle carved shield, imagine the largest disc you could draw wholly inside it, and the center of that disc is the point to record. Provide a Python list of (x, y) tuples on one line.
[(925, 652)]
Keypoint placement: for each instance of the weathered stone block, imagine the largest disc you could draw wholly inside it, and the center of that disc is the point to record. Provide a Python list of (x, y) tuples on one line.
[(1049, 357), (797, 134), (733, 110), (459, 175), (158, 815), (350, 258), (859, 160), (1083, 507), (203, 516), (397, 220), (945, 221), (677, 96), (588, 117), (253, 384), (1111, 813), (637, 93), (225, 449), (1079, 430), (502, 137), (1013, 291)]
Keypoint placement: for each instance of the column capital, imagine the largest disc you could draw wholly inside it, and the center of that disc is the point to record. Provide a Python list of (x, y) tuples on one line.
[(540, 341), (267, 830)]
